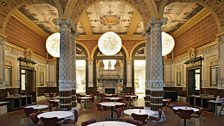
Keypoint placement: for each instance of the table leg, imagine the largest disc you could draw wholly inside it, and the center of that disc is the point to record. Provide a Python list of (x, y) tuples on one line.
[(111, 112), (184, 122)]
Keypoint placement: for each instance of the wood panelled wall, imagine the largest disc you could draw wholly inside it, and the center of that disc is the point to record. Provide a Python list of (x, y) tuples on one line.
[(24, 37), (202, 33)]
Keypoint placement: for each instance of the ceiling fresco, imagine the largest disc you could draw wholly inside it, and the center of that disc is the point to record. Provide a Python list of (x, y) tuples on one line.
[(110, 16), (178, 13), (43, 15)]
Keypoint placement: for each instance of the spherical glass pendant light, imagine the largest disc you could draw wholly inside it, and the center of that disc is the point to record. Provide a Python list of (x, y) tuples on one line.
[(167, 43), (53, 44), (109, 43)]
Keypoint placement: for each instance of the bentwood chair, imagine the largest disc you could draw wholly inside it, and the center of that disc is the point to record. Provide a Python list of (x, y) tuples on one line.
[(185, 115), (141, 118), (49, 121), (135, 122)]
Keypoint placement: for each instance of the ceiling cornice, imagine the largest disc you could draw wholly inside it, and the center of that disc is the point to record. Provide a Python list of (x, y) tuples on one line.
[(23, 19), (190, 23), (123, 37), (133, 24)]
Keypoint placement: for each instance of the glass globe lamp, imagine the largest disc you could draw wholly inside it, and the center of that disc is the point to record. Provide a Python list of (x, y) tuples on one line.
[(53, 44), (109, 43), (167, 43)]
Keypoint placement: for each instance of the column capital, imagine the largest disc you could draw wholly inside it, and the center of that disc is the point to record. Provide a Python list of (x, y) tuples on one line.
[(161, 21), (64, 24)]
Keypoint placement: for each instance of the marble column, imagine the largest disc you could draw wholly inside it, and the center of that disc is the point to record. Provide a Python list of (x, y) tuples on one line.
[(90, 73), (2, 61), (66, 65), (148, 65), (221, 61), (155, 82), (73, 67), (129, 73)]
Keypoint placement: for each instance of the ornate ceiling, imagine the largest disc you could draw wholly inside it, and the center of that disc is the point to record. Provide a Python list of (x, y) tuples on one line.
[(110, 16), (178, 13)]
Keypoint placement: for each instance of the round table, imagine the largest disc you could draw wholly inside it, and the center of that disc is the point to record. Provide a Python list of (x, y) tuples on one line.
[(37, 107), (139, 112), (55, 100), (111, 123), (58, 114), (111, 104), (185, 108), (113, 98)]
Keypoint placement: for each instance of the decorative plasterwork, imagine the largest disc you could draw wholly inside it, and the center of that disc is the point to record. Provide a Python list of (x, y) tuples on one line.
[(43, 15), (178, 13), (111, 16), (6, 6)]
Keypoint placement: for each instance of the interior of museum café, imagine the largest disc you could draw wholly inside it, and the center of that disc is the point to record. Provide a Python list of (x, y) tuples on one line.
[(111, 63)]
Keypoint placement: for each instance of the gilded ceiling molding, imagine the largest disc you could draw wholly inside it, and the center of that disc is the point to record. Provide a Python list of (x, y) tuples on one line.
[(190, 23), (8, 7), (123, 37), (23, 19), (74, 8), (86, 49)]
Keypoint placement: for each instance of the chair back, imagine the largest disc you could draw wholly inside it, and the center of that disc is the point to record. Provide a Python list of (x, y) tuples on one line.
[(49, 121), (88, 122), (78, 99), (33, 117), (141, 118), (28, 111), (135, 122), (185, 114), (118, 112)]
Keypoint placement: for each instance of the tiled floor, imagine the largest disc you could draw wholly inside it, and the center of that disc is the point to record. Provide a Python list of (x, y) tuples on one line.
[(207, 119)]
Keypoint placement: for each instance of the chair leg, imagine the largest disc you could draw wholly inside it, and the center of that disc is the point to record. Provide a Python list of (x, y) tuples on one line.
[(220, 112)]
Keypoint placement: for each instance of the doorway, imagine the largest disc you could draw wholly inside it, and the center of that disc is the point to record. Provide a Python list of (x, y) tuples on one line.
[(194, 81), (28, 82)]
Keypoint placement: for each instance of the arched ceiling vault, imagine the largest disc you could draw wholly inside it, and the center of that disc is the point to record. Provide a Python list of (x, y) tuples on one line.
[(215, 7), (7, 7)]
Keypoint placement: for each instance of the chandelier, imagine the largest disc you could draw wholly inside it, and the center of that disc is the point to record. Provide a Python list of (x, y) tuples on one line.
[(53, 44), (167, 43), (109, 43)]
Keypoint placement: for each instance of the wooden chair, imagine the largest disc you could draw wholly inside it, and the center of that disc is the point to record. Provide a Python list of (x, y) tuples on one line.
[(88, 122), (135, 122), (184, 114), (141, 118), (27, 112), (53, 105), (118, 112), (49, 121), (33, 117)]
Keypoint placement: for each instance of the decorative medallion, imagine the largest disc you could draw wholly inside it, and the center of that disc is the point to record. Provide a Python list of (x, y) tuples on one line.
[(192, 53), (110, 19)]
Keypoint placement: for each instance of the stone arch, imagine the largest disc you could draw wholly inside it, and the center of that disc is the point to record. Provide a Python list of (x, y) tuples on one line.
[(216, 10), (84, 49), (95, 50), (146, 9), (136, 46), (8, 7)]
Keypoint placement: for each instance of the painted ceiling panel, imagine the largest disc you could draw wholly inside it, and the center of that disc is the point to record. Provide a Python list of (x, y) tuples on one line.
[(110, 16), (178, 13), (44, 15)]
